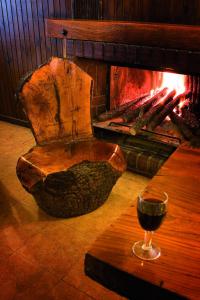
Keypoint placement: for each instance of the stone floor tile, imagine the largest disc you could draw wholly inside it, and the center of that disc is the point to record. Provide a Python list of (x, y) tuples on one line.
[(18, 222), (18, 277), (37, 250), (44, 288), (55, 248), (64, 291), (79, 280)]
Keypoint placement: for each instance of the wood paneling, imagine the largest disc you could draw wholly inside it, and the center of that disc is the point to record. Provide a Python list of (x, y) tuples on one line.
[(168, 36), (24, 46), (166, 11), (87, 9)]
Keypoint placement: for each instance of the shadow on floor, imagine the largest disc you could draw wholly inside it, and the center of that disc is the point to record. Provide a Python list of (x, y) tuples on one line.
[(17, 213)]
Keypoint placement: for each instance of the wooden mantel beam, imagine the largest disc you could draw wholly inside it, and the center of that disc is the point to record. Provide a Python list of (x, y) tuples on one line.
[(169, 36)]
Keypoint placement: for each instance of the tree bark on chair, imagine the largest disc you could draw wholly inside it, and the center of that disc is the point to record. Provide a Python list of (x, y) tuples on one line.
[(79, 190)]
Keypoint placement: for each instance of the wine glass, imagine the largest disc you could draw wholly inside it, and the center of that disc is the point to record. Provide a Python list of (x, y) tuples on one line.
[(151, 212)]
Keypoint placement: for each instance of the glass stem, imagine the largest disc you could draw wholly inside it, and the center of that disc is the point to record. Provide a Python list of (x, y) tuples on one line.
[(147, 240)]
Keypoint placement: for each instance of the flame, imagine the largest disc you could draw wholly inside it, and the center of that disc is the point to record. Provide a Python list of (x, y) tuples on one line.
[(174, 82), (152, 92)]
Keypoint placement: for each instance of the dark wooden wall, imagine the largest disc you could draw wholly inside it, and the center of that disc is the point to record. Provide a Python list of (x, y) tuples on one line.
[(23, 45)]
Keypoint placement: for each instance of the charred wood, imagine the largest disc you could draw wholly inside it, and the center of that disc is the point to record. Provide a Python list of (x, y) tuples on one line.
[(120, 110), (143, 120), (181, 125), (185, 130), (190, 118), (142, 106), (166, 109)]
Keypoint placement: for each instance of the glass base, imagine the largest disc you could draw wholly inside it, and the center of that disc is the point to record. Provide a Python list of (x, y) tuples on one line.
[(148, 253)]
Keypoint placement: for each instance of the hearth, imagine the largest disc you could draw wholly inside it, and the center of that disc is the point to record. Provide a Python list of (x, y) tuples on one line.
[(158, 103), (153, 111), (138, 58)]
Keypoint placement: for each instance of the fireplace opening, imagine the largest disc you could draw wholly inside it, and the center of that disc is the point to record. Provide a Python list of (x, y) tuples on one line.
[(149, 114), (163, 106)]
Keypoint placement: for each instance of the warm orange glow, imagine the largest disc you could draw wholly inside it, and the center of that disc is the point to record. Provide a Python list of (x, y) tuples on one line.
[(174, 82), (128, 84), (152, 92)]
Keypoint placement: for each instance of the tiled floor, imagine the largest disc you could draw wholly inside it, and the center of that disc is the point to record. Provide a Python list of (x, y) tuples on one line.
[(42, 257)]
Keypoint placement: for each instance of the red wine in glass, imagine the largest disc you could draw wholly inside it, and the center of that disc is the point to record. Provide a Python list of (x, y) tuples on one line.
[(151, 212), (151, 220)]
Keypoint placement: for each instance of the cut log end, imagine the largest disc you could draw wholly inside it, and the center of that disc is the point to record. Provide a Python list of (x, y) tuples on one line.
[(133, 131), (44, 94)]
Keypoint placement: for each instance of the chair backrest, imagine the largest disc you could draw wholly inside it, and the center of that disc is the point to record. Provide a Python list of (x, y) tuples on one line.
[(56, 99)]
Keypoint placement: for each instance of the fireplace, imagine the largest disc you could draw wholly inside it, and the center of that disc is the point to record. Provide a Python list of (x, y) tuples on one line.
[(158, 102), (139, 61)]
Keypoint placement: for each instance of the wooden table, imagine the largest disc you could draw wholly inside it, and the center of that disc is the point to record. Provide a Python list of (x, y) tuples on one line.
[(176, 274)]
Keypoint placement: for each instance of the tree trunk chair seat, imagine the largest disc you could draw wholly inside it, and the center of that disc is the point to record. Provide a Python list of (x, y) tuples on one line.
[(69, 172)]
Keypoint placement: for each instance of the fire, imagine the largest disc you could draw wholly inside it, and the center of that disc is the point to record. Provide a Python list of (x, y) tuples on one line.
[(174, 82), (152, 92)]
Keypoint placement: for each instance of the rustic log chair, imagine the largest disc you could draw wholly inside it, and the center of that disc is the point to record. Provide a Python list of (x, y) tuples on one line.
[(69, 172)]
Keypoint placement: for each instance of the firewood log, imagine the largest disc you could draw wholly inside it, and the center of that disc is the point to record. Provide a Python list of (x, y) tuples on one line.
[(119, 110), (185, 130), (141, 121), (142, 106), (190, 118), (182, 127), (166, 110)]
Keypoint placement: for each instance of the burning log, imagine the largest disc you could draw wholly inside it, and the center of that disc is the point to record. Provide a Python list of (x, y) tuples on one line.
[(185, 130), (119, 110), (141, 121), (142, 106), (167, 109)]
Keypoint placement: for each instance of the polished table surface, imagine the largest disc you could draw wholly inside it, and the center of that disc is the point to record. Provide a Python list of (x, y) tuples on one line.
[(176, 274)]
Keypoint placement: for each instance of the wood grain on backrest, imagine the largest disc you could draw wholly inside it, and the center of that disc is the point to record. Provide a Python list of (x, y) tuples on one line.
[(56, 100)]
